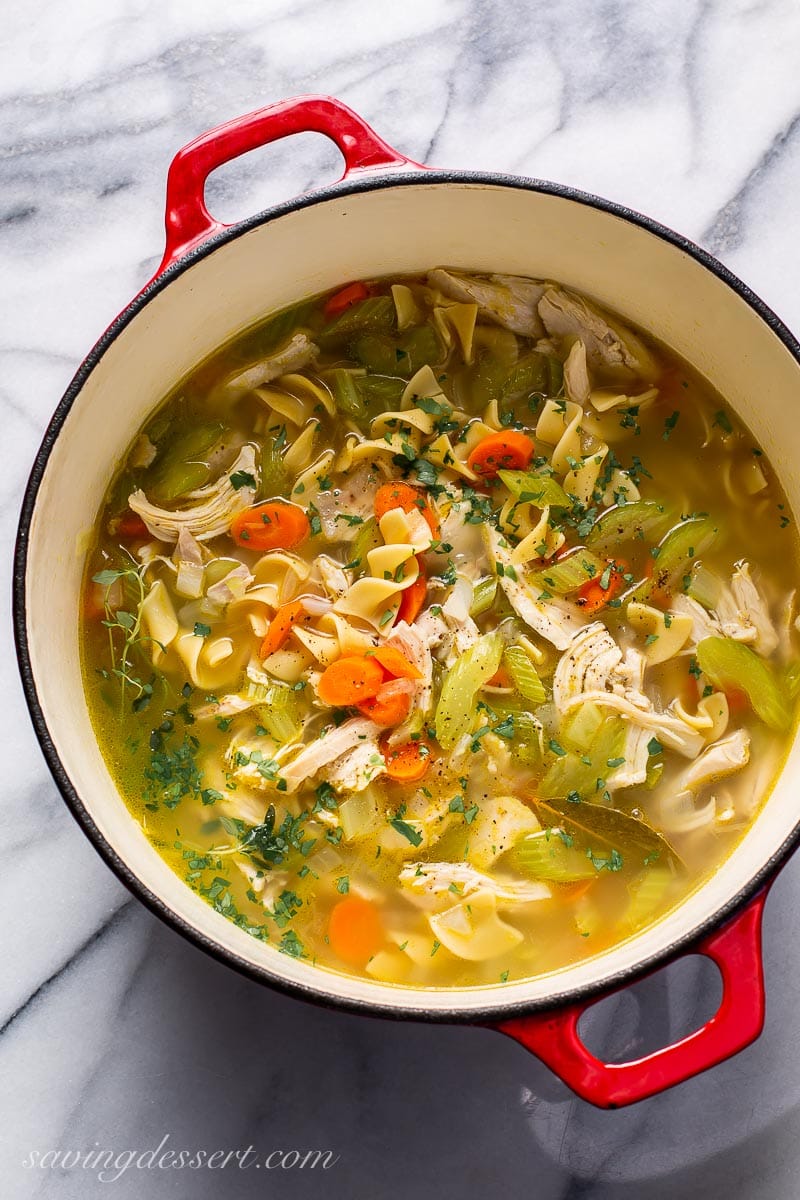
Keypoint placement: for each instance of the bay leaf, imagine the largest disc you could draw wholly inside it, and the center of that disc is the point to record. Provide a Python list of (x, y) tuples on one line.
[(599, 826)]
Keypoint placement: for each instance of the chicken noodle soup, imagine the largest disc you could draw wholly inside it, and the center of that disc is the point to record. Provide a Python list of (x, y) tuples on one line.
[(442, 630)]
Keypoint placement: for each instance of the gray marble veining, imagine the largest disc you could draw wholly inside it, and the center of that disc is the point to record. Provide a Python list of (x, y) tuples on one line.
[(113, 1031)]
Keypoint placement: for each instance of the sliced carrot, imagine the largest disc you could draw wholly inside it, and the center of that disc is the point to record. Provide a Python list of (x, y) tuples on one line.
[(281, 625), (355, 931), (343, 299), (509, 450), (94, 608), (501, 678), (273, 525), (738, 701), (398, 494), (407, 762), (575, 889), (131, 526), (395, 663), (659, 596), (593, 596), (690, 692), (391, 705), (413, 598), (350, 680)]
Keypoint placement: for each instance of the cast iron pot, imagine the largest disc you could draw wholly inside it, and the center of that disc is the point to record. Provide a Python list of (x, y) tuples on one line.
[(388, 215)]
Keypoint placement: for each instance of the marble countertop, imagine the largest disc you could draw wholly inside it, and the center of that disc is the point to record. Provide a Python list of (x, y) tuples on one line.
[(115, 1032)]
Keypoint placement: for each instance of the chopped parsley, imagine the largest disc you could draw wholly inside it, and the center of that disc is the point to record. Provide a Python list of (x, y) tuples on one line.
[(240, 479), (403, 828), (669, 425)]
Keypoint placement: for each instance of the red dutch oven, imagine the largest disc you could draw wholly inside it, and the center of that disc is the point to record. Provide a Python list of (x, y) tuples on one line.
[(389, 215)]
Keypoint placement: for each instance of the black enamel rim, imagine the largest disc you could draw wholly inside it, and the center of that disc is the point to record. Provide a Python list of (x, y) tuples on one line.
[(489, 1012)]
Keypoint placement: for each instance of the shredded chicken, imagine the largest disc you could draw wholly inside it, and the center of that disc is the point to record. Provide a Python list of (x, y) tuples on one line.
[(613, 347), (409, 640), (356, 768), (231, 587), (637, 755), (743, 612), (323, 751), (463, 535), (334, 579), (724, 757), (434, 878), (703, 623), (188, 559), (298, 352), (509, 300), (678, 812), (355, 498), (586, 664), (555, 620), (576, 375), (594, 662), (669, 729), (211, 508)]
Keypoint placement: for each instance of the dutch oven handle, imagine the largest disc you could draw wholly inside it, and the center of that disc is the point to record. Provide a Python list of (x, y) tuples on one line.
[(189, 222), (736, 949)]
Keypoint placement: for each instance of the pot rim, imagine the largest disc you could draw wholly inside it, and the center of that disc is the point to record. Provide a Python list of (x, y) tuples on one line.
[(369, 180)]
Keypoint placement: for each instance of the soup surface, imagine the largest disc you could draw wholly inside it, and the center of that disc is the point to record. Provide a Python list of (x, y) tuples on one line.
[(441, 630)]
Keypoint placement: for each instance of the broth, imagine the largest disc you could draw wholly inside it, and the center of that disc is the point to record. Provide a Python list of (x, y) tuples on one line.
[(441, 630)]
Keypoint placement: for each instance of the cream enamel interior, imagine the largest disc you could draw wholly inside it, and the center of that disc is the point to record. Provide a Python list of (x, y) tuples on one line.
[(392, 230)]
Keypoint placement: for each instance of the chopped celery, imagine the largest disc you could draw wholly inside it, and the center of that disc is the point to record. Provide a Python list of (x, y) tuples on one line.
[(655, 769), (541, 489), (569, 574), (679, 549), (375, 314), (418, 348), (279, 329), (545, 855), (359, 813), (274, 476), (380, 393), (555, 369), (647, 892), (485, 380), (345, 392), (792, 678), (183, 467), (733, 666), (584, 775), (455, 712), (526, 732), (524, 745), (705, 587), (376, 352), (259, 692), (404, 355), (280, 714), (180, 479), (645, 520), (498, 343), (529, 374), (580, 729), (524, 674), (368, 538), (483, 595)]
